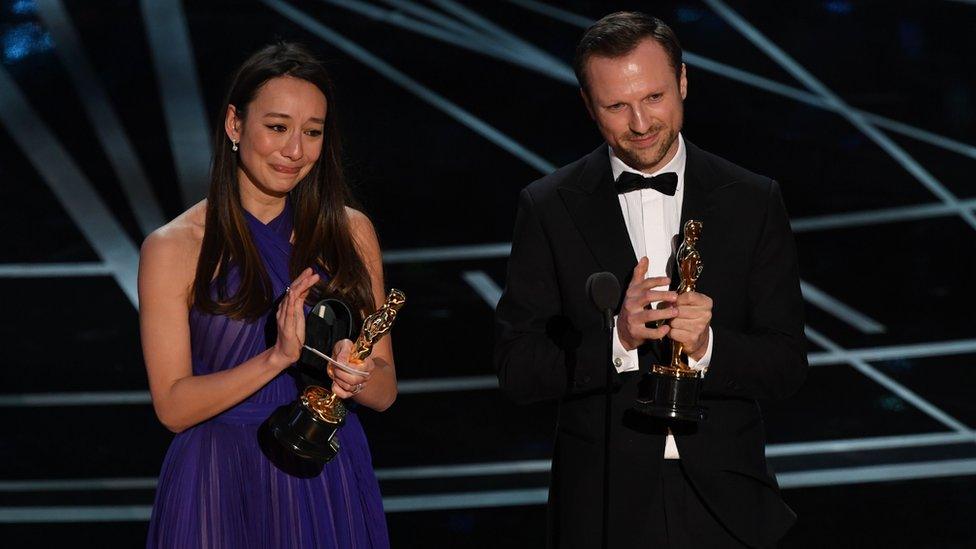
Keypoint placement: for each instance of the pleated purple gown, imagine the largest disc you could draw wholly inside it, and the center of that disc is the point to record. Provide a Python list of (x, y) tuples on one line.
[(219, 489)]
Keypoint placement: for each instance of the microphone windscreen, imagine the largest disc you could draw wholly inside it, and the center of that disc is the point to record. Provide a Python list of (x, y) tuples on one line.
[(604, 290)]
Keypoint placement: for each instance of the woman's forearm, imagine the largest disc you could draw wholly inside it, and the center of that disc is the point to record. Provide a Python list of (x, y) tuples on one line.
[(196, 398), (381, 390)]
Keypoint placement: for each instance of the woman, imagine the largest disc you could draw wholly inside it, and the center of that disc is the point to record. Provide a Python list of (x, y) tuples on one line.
[(275, 231)]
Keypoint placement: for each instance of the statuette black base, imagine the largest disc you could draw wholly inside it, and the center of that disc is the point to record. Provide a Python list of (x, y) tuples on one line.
[(305, 435), (669, 396), (296, 426)]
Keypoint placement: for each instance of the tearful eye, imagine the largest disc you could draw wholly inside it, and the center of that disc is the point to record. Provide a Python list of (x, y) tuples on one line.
[(313, 133), (276, 128)]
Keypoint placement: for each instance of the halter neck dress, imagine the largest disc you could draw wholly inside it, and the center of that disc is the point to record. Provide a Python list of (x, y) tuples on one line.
[(218, 488)]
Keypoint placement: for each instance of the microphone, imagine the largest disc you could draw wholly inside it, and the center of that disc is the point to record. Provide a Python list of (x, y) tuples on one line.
[(604, 292)]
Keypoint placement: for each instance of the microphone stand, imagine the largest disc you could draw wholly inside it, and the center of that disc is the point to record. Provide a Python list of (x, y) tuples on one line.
[(608, 324), (604, 291)]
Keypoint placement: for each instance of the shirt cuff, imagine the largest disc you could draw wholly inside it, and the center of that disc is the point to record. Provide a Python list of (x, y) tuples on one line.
[(702, 364), (623, 360)]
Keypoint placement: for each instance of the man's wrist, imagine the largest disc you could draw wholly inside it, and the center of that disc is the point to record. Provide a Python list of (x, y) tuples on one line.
[(700, 350), (619, 324), (627, 345), (624, 359)]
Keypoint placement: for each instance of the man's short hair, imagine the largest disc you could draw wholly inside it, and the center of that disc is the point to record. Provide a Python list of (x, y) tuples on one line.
[(618, 34)]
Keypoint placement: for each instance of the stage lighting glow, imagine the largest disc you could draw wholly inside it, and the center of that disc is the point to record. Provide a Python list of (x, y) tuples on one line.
[(22, 7), (840, 7), (23, 40)]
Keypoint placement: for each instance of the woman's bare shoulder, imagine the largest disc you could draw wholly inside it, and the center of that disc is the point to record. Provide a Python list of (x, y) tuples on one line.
[(176, 245), (359, 223), (364, 236)]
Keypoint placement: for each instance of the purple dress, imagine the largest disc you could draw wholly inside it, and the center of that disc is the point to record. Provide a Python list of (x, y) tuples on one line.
[(221, 487)]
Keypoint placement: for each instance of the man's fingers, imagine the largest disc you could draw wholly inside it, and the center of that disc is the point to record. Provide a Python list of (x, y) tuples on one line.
[(655, 281), (640, 333), (649, 284), (642, 291), (640, 271), (683, 336), (661, 295), (638, 303), (694, 313), (645, 334), (653, 315), (690, 324), (694, 299), (653, 285)]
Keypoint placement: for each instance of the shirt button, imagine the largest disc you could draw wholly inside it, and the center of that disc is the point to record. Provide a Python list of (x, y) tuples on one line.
[(617, 362)]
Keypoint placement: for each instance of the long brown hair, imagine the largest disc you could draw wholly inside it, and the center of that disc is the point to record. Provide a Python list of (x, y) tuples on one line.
[(322, 231)]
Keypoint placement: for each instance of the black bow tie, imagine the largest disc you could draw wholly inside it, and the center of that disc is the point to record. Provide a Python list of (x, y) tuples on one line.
[(665, 183)]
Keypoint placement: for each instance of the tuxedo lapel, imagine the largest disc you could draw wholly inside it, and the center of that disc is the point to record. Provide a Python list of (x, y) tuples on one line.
[(592, 202)]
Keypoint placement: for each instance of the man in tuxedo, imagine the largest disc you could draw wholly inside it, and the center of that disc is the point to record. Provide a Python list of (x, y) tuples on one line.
[(620, 209)]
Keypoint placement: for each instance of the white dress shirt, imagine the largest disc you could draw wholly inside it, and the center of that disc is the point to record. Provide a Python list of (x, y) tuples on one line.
[(653, 219)]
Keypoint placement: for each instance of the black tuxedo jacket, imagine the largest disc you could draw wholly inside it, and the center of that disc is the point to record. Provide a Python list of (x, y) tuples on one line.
[(551, 345)]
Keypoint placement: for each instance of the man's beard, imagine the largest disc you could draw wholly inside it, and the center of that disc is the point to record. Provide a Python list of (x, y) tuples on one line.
[(648, 159)]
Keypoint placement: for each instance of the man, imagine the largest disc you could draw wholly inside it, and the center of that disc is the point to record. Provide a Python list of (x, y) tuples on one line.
[(671, 484)]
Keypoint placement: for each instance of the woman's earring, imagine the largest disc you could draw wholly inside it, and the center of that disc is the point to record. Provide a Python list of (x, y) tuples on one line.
[(234, 148)]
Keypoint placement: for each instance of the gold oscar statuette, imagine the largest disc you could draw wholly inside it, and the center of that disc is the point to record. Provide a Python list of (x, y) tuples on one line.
[(324, 403), (671, 391), (690, 268)]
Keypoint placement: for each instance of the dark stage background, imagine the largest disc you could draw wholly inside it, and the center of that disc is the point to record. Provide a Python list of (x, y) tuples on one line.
[(864, 111)]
